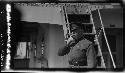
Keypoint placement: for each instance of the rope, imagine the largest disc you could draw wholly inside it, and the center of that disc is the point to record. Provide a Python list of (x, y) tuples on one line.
[(106, 40)]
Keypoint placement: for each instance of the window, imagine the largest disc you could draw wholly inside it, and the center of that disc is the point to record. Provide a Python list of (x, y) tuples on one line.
[(22, 50)]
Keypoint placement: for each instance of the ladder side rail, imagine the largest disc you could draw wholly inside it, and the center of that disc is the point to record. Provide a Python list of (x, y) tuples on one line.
[(67, 23), (97, 41), (106, 40)]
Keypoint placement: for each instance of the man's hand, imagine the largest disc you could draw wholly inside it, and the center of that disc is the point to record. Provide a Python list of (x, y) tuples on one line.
[(64, 50)]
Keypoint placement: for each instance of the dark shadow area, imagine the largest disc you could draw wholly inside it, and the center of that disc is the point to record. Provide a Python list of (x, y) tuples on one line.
[(3, 34), (16, 29), (115, 41), (28, 30)]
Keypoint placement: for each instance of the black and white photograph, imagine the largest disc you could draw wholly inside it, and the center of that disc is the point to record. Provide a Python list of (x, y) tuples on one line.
[(61, 36)]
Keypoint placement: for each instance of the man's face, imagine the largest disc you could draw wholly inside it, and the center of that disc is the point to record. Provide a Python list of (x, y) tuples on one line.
[(75, 35), (76, 31), (74, 26)]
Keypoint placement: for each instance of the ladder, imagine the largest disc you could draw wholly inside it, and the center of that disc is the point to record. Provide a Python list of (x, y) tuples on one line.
[(94, 32)]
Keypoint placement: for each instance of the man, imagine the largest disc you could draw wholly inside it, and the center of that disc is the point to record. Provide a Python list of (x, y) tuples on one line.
[(79, 48)]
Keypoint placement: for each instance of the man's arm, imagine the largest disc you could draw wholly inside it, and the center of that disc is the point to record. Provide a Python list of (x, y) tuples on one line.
[(66, 49)]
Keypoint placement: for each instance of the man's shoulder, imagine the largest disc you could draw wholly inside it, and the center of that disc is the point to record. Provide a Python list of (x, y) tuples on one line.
[(83, 44), (84, 41)]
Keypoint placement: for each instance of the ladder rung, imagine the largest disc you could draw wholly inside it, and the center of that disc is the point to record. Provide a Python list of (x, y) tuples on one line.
[(79, 18), (80, 13), (78, 22), (87, 23), (88, 33)]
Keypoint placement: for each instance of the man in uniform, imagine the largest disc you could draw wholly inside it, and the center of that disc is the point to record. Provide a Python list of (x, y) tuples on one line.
[(79, 48)]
